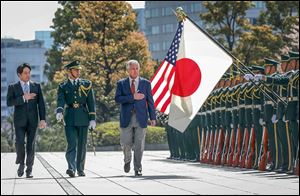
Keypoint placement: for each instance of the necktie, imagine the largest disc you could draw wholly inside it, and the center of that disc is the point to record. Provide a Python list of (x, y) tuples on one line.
[(132, 87), (74, 82), (26, 88)]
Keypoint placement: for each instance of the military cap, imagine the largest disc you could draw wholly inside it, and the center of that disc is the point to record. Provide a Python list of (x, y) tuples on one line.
[(257, 68), (271, 62), (294, 55), (284, 58), (73, 65), (226, 76)]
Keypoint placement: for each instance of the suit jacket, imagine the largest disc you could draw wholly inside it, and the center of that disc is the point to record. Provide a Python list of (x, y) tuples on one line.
[(23, 111), (142, 107)]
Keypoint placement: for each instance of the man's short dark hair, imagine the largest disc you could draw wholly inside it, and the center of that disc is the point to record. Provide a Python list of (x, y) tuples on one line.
[(22, 67)]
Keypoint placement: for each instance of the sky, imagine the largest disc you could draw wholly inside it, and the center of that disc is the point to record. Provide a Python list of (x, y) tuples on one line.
[(19, 20)]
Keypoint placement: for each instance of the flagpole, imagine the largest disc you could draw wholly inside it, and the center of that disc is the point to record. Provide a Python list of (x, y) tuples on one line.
[(236, 59)]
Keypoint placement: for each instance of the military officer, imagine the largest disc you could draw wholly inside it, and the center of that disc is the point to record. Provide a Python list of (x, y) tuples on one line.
[(77, 96)]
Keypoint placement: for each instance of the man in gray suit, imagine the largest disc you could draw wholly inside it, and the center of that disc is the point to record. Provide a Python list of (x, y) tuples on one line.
[(29, 107), (135, 97)]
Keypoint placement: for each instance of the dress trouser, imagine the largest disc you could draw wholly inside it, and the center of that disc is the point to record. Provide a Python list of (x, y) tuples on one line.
[(30, 132), (133, 137), (77, 144)]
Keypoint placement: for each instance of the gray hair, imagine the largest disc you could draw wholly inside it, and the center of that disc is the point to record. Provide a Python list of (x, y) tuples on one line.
[(132, 62)]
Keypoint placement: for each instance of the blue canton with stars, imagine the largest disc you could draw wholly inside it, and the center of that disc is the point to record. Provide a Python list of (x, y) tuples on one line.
[(173, 51)]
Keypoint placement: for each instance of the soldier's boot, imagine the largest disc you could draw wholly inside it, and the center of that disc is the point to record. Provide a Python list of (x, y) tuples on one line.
[(263, 151), (231, 148), (237, 152), (219, 149), (244, 148), (251, 150)]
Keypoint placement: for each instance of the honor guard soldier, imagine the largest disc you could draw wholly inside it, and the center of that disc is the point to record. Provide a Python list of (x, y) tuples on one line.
[(269, 125), (75, 95), (281, 80)]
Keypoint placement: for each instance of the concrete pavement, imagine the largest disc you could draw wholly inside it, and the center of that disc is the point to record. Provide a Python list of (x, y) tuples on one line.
[(105, 176)]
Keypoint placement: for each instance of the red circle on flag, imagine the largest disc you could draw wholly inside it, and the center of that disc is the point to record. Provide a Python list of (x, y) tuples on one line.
[(187, 77)]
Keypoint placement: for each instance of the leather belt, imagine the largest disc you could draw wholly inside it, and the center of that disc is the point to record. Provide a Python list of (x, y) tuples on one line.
[(270, 102), (257, 106), (293, 99), (76, 105)]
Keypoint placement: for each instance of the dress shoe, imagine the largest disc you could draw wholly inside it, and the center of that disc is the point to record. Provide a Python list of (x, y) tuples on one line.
[(29, 174), (281, 170), (21, 170), (138, 173), (71, 173), (270, 167), (127, 167), (81, 173)]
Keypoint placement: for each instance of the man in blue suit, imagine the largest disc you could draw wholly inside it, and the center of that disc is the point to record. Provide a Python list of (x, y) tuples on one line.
[(135, 97)]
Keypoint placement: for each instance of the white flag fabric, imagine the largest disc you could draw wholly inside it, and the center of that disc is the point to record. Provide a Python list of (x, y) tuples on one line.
[(191, 69)]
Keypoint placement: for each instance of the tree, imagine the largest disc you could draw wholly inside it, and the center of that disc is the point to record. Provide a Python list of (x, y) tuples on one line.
[(283, 17), (257, 43), (226, 20), (64, 31)]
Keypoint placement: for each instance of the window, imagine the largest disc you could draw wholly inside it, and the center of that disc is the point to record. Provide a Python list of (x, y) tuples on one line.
[(167, 28), (166, 45), (147, 14), (154, 12), (258, 4), (154, 47), (166, 11), (196, 7), (154, 30)]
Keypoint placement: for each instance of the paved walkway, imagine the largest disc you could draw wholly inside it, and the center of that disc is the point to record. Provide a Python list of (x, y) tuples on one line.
[(105, 176)]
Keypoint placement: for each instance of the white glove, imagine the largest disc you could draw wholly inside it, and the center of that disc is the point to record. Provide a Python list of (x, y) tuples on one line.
[(273, 119), (258, 77), (248, 77), (59, 116), (92, 124), (284, 120), (261, 122)]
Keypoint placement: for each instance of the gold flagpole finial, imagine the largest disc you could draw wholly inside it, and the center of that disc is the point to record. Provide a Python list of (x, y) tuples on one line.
[(181, 16)]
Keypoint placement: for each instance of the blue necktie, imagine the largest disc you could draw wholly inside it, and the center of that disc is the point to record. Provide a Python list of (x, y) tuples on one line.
[(26, 88)]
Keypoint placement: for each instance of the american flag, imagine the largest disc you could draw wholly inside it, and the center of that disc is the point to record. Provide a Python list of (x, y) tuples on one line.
[(163, 80)]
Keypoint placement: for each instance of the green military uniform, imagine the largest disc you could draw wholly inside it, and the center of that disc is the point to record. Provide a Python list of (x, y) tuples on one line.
[(285, 154), (292, 113), (268, 112), (235, 122), (257, 103), (80, 109), (242, 123)]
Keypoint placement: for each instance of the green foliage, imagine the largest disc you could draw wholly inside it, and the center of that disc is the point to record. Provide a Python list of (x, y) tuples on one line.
[(156, 135), (108, 133), (5, 147), (51, 139), (226, 20)]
